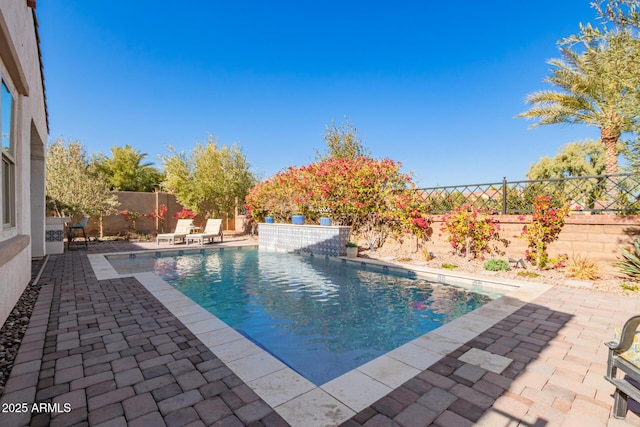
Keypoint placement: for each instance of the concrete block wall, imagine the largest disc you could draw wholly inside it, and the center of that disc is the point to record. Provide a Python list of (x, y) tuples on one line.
[(145, 203), (596, 236)]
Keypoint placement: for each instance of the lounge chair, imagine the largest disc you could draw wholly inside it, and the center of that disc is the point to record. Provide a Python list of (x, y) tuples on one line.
[(624, 354), (183, 227), (73, 231), (212, 229)]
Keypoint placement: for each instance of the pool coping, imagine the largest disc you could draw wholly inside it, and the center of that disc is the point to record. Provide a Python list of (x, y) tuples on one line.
[(293, 397)]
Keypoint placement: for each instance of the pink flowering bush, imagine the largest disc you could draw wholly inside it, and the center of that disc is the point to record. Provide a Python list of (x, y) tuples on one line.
[(160, 214), (185, 214), (372, 196), (471, 231), (545, 227), (131, 217)]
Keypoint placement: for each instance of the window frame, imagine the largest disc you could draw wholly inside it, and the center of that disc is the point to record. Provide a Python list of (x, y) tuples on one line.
[(7, 162)]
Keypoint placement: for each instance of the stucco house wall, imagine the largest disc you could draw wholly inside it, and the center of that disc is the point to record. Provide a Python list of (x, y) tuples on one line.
[(22, 235)]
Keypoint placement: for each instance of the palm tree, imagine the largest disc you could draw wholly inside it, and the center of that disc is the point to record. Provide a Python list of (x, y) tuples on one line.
[(598, 86)]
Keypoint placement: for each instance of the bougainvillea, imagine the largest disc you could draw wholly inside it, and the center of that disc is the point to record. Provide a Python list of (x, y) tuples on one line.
[(471, 231), (160, 214), (371, 196), (131, 217), (185, 214), (546, 224)]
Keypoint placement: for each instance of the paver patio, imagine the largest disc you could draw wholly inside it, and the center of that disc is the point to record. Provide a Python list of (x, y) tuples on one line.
[(116, 356)]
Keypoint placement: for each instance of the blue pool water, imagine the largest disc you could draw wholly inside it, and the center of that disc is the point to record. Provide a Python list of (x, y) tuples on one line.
[(321, 317)]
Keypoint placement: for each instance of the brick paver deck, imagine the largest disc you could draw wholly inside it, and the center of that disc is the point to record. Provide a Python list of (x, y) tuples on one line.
[(109, 354)]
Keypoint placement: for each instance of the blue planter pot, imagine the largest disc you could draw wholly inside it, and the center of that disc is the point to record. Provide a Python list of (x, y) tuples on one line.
[(325, 221), (297, 219), (268, 219)]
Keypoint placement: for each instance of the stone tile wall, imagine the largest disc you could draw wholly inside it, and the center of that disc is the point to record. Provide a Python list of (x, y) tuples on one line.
[(315, 239)]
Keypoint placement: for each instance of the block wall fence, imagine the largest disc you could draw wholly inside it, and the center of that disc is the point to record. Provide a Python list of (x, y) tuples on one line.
[(598, 237), (146, 203)]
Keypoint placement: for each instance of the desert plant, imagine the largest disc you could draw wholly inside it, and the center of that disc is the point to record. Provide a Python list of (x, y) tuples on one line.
[(583, 268), (630, 262), (546, 225), (529, 274), (495, 264), (628, 287), (471, 231)]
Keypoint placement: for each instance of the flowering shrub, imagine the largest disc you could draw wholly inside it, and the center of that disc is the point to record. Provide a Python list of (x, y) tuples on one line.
[(471, 231), (546, 224), (367, 194), (185, 214), (412, 215), (132, 216), (160, 214)]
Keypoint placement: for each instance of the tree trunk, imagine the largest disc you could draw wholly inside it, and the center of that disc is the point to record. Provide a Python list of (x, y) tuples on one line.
[(609, 138)]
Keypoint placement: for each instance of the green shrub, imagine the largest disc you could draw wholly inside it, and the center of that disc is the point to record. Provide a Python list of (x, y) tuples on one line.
[(495, 264), (630, 264), (629, 287), (529, 274)]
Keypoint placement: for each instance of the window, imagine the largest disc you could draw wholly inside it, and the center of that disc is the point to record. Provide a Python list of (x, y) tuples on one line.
[(7, 178)]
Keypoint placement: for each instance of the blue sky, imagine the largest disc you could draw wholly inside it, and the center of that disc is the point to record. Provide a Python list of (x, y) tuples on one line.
[(434, 85)]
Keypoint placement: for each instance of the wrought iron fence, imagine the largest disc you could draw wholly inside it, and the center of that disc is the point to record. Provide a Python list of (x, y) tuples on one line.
[(618, 194)]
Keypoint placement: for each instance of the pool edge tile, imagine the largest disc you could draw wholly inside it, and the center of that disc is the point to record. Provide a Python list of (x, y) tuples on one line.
[(256, 366), (389, 371), (281, 386), (370, 390), (316, 408)]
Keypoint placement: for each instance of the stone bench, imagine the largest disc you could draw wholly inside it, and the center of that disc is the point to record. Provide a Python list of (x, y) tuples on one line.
[(624, 355)]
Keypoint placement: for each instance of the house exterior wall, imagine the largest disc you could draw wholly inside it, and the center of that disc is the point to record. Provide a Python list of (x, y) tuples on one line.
[(20, 69)]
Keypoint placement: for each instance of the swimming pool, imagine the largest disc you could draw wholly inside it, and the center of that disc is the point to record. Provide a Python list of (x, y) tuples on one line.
[(321, 317)]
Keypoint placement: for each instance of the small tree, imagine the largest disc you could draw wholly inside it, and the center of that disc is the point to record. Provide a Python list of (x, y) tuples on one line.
[(210, 178), (585, 158), (343, 142), (125, 171), (73, 187)]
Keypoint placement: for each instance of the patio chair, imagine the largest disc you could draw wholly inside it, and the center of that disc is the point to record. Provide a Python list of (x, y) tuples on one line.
[(183, 226), (624, 354), (212, 229), (73, 231)]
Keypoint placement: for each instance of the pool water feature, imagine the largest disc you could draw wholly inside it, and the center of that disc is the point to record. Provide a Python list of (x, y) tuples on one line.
[(321, 317)]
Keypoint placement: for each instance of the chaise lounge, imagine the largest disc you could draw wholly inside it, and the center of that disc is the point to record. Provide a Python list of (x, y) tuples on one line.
[(183, 226), (212, 229), (624, 354)]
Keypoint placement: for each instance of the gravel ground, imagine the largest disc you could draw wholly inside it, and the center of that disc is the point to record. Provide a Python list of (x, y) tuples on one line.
[(610, 280)]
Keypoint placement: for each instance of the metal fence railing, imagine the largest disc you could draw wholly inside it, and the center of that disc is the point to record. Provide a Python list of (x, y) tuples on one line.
[(618, 194)]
